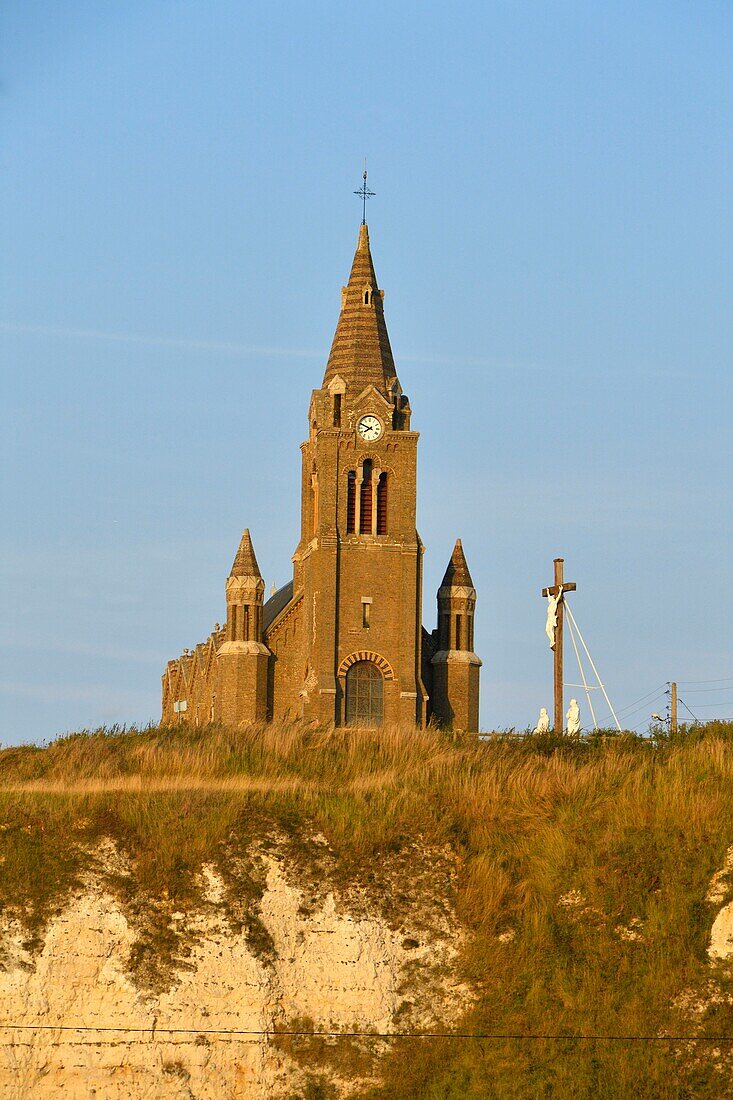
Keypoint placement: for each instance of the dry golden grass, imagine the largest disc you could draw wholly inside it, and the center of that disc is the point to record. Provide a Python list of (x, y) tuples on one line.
[(629, 830)]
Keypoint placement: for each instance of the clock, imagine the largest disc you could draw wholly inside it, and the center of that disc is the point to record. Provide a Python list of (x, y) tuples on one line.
[(369, 428)]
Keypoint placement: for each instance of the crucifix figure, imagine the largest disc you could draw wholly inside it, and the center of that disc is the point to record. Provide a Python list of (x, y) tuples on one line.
[(551, 624), (554, 596)]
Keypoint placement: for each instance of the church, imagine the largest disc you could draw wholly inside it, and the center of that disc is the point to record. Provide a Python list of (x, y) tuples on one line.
[(343, 642)]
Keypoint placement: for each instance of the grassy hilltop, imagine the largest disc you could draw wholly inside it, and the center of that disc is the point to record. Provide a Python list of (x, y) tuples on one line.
[(581, 870)]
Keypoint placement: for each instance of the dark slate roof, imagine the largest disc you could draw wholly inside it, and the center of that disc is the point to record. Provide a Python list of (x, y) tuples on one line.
[(277, 603)]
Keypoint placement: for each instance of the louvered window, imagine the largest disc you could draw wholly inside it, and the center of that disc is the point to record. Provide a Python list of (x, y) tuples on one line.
[(365, 502), (382, 505)]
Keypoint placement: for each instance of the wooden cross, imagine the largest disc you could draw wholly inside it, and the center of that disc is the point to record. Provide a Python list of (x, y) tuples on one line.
[(566, 586)]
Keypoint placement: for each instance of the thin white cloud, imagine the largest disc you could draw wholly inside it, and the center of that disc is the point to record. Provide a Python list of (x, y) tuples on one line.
[(228, 348), (232, 348), (78, 649), (99, 695), (154, 341)]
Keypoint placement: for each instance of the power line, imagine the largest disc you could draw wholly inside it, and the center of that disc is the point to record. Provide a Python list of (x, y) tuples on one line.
[(704, 691), (722, 680), (657, 691), (684, 704), (706, 706), (630, 711), (153, 1032)]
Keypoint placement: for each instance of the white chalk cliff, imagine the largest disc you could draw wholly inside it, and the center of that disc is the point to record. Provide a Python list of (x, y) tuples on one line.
[(331, 969)]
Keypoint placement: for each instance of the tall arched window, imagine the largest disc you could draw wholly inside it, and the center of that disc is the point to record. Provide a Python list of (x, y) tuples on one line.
[(351, 503), (382, 505), (364, 695), (365, 501)]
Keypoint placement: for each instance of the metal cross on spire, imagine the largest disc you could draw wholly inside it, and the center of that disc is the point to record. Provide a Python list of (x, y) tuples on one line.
[(364, 193)]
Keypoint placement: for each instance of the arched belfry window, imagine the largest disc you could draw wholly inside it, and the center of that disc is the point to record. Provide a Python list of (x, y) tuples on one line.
[(382, 504), (364, 695), (365, 499), (351, 503)]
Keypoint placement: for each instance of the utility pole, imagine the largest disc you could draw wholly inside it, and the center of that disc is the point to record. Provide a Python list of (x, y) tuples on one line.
[(558, 589), (673, 707)]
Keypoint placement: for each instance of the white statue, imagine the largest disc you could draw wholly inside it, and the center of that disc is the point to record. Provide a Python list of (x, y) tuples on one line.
[(573, 718), (551, 625), (543, 722)]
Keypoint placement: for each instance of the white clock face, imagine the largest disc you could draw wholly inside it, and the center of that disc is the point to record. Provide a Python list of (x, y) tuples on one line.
[(369, 428)]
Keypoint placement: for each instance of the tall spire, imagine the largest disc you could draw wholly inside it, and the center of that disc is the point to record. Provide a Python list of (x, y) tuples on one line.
[(457, 574), (245, 563), (361, 353)]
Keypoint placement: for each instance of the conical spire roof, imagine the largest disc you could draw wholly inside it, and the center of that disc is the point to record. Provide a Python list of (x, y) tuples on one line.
[(457, 574), (245, 563), (360, 353)]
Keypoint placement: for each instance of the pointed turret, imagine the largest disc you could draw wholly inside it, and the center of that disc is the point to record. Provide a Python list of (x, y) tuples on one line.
[(243, 657), (457, 574), (455, 665), (245, 595), (361, 354), (245, 563)]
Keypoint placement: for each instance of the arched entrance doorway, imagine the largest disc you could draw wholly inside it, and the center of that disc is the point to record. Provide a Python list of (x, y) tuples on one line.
[(364, 695)]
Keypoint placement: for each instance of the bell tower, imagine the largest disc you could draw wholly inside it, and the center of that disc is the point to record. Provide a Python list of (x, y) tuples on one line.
[(359, 559)]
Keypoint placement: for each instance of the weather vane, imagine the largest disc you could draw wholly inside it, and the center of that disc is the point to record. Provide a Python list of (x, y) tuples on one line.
[(364, 193)]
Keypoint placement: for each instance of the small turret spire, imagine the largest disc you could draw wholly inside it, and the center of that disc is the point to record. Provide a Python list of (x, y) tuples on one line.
[(457, 574), (245, 562)]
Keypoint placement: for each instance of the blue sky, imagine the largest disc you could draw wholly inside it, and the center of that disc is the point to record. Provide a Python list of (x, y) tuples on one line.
[(553, 230)]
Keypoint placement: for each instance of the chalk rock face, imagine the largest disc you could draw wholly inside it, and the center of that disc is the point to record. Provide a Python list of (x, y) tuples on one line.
[(721, 934), (334, 969)]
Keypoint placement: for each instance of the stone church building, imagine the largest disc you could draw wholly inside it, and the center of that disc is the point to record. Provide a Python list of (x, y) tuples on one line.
[(343, 642)]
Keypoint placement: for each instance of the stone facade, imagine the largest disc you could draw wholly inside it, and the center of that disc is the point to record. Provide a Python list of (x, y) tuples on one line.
[(343, 642)]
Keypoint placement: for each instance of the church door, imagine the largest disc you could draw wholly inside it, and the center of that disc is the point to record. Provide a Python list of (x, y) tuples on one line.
[(364, 695)]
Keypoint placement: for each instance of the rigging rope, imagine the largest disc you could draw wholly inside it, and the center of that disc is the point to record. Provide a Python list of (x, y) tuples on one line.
[(582, 673), (571, 618)]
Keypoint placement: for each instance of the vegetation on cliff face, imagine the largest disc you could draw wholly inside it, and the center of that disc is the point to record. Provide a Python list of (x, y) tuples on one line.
[(579, 870)]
